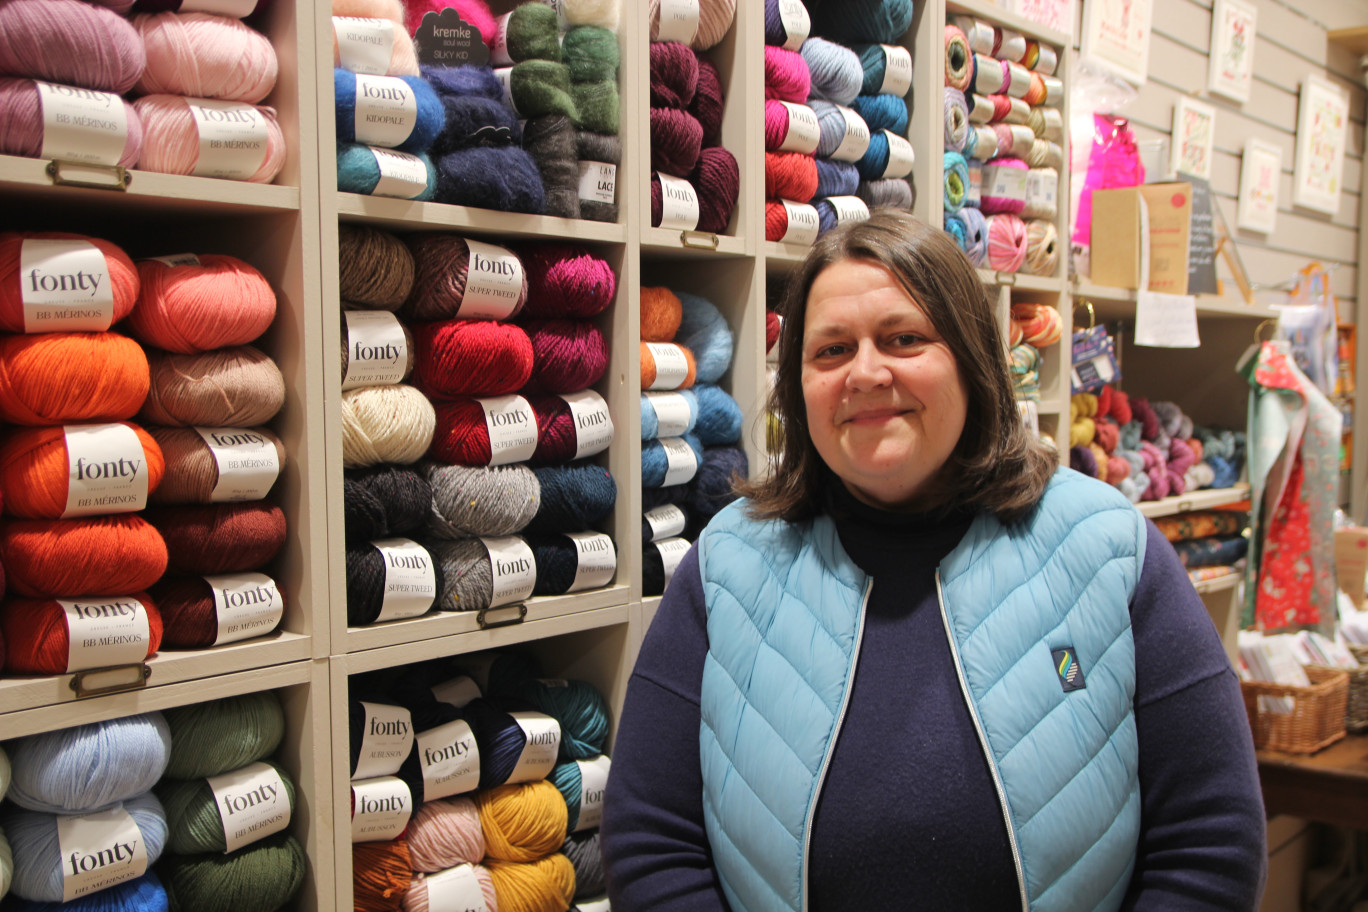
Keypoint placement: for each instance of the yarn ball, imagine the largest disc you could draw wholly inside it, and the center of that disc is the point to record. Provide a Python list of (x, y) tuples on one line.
[(566, 280), (836, 178), (719, 416), (88, 767), (523, 821), (654, 463), (505, 179), (1006, 242), (567, 355), (790, 176), (717, 178), (540, 87), (557, 435), (142, 894), (531, 33), (834, 69), (776, 32), (57, 378), (648, 368), (69, 42), (877, 163), (381, 872), (591, 54), (884, 21), (597, 106), (385, 424), (35, 470), (992, 205), (193, 821), (956, 182), (427, 122), (1042, 248), (383, 501), (70, 558), (215, 303), (220, 538), (572, 497), (882, 112), (786, 75), (557, 560), (375, 268), (875, 64), (189, 614), (462, 434), (211, 738), (714, 21), (37, 638), (578, 707), (975, 234), (704, 332), (205, 56), (713, 485), (472, 358), (403, 60), (441, 272), (416, 900), (834, 125), (595, 147), (892, 192), (227, 387), (544, 885), (38, 861), (22, 127), (157, 6), (358, 171), (468, 579), (586, 856), (676, 141), (264, 875), (550, 140), (708, 102), (476, 114), (565, 776), (484, 500), (123, 275), (348, 339), (601, 13), (7, 866), (472, 12), (171, 139), (661, 313), (445, 833), (650, 421), (366, 583)]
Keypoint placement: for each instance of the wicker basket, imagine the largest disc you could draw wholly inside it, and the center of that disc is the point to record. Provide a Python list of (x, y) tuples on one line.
[(1317, 717), (1356, 716)]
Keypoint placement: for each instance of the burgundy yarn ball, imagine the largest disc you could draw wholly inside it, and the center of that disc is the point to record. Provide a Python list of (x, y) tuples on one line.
[(674, 74), (568, 355), (21, 123), (220, 538), (462, 434), (70, 42), (189, 618), (565, 280), (557, 437), (441, 265), (708, 101), (676, 141), (471, 358), (718, 181)]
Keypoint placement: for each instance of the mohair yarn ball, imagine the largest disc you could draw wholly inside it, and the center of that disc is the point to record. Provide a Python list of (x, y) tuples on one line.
[(220, 538), (601, 13), (71, 558), (544, 885), (597, 106), (505, 179), (59, 378), (567, 355), (193, 821), (550, 140), (374, 268), (35, 470), (87, 767), (124, 282), (705, 332), (714, 21), (69, 42), (171, 139), (22, 128), (673, 74), (37, 640), (205, 56), (227, 387), (472, 119), (194, 307), (471, 358), (523, 821), (385, 424), (597, 147), (566, 280), (591, 54), (487, 500), (661, 313), (358, 171), (540, 87), (427, 124), (264, 875), (532, 32), (441, 269), (572, 498), (578, 707), (383, 501), (211, 738)]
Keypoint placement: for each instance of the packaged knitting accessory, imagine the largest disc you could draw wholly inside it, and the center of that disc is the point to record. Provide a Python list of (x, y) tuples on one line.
[(1094, 360)]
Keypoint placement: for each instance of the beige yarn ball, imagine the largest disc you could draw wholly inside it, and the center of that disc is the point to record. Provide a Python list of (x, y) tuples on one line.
[(385, 424)]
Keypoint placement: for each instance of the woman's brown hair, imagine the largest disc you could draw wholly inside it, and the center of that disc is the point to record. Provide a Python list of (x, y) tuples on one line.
[(998, 465)]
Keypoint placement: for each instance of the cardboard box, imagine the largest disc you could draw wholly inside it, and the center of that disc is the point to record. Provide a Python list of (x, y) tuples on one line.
[(1351, 561), (1137, 226)]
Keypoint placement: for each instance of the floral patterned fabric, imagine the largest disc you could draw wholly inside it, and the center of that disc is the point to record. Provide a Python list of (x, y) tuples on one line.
[(1200, 524), (1217, 551)]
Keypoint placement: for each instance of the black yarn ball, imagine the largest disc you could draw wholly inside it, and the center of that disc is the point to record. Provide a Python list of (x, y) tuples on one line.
[(427, 715), (356, 721), (500, 739), (504, 178), (366, 583), (712, 486), (573, 497), (599, 147), (384, 500), (647, 533), (557, 562), (550, 140), (658, 497)]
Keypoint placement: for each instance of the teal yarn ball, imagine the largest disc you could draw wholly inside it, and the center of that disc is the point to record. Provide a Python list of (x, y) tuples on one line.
[(88, 767), (654, 462), (565, 776), (38, 859), (578, 707), (143, 894), (429, 122), (719, 416), (836, 71), (212, 738), (541, 87), (704, 331), (882, 112), (193, 822), (875, 65), (358, 171), (533, 33), (884, 21), (261, 877), (650, 421), (591, 54)]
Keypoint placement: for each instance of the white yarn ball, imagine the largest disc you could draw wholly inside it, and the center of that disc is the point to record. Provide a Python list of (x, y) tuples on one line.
[(603, 13), (385, 424)]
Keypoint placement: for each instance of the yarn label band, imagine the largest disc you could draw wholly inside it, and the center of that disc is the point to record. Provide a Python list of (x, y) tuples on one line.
[(99, 850), (238, 9), (855, 142), (678, 21), (248, 463), (973, 190), (802, 223), (593, 780), (543, 743), (505, 77), (593, 905), (377, 352), (804, 133), (233, 138), (681, 462), (848, 209), (364, 45), (512, 429), (65, 286), (106, 470), (102, 632), (386, 739), (458, 691), (386, 110), (450, 760), (513, 569), (402, 176), (1004, 183), (598, 182), (796, 21), (666, 521), (410, 580), (177, 259), (897, 78), (247, 605), (498, 53), (672, 551), (673, 415), (82, 125), (494, 283), (901, 156), (672, 366), (1041, 186), (593, 423), (597, 560), (678, 203), (455, 890), (252, 804), (381, 809)]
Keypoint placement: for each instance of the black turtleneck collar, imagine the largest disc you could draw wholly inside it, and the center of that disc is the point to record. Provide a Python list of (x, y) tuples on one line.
[(886, 542)]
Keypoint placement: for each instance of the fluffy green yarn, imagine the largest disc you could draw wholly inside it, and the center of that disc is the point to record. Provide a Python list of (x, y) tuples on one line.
[(260, 877), (591, 53), (193, 823), (533, 33), (597, 103), (541, 87), (212, 738)]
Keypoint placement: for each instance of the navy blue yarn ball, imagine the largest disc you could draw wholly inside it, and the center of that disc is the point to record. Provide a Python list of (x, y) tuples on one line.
[(486, 178), (836, 178), (573, 497)]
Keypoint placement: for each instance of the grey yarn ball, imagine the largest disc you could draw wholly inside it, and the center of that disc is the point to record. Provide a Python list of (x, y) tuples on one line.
[(468, 581), (469, 501)]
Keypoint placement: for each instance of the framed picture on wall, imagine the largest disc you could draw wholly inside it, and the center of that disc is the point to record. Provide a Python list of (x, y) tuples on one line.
[(1116, 37), (1260, 175), (1322, 119), (1194, 134), (1230, 73)]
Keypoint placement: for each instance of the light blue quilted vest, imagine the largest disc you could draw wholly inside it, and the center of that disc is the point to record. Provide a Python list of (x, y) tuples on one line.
[(782, 647)]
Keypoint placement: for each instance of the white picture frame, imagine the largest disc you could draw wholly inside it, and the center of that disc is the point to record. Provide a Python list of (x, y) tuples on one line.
[(1230, 73), (1116, 37), (1194, 138), (1260, 179), (1322, 122)]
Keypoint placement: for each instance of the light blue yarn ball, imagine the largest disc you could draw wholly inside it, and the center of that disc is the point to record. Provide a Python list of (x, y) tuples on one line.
[(884, 21), (431, 115), (832, 126), (704, 331), (74, 770), (882, 112), (955, 164), (837, 74), (719, 416), (955, 228), (357, 171), (145, 894), (826, 216), (654, 463), (38, 856), (650, 422)]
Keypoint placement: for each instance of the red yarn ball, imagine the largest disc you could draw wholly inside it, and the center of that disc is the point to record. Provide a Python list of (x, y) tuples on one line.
[(790, 176), (676, 141), (557, 438), (566, 280), (462, 434), (441, 266), (189, 617), (216, 303), (69, 558), (776, 220), (772, 326), (36, 639), (718, 181), (569, 355), (123, 276), (471, 358), (220, 538)]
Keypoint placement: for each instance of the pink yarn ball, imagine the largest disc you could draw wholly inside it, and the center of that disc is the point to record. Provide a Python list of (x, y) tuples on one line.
[(393, 10), (205, 56), (162, 6), (1006, 242), (445, 833), (787, 77), (70, 42), (565, 280), (119, 6), (416, 899), (995, 204), (776, 124), (567, 355), (171, 138), (473, 12), (194, 308), (21, 123)]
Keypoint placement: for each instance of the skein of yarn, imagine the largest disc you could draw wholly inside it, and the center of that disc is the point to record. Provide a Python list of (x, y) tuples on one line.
[(23, 131), (1006, 242), (558, 564), (676, 141), (264, 875), (36, 467), (550, 140), (544, 885), (367, 568), (1042, 248), (884, 21), (490, 178), (591, 54), (190, 614), (558, 434), (572, 497), (211, 738), (457, 358), (719, 416), (385, 424), (602, 13), (566, 280), (676, 354), (205, 56), (46, 558), (375, 268), (672, 404), (192, 473), (197, 303), (655, 462), (419, 896), (714, 21), (486, 500), (69, 42), (174, 144), (56, 378), (578, 707), (541, 87), (414, 131), (468, 576), (704, 332), (708, 102), (443, 280), (354, 34), (194, 823), (567, 355), (786, 75), (445, 833), (142, 894), (381, 872), (227, 387), (220, 538), (383, 501), (717, 179), (87, 767), (661, 313), (37, 638), (521, 822), (123, 279), (603, 153), (359, 170), (790, 176), (586, 856)]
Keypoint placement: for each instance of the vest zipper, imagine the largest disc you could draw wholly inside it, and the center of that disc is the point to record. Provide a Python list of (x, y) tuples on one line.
[(983, 742), (831, 745)]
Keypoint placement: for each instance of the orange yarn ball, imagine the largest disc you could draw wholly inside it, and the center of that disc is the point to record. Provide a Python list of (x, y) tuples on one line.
[(790, 176), (123, 276), (381, 873), (62, 378), (661, 313), (546, 885), (34, 471), (68, 558), (648, 367), (522, 822), (218, 302), (36, 639)]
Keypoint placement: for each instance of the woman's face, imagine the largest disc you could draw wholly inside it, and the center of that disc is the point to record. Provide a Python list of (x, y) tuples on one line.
[(885, 400)]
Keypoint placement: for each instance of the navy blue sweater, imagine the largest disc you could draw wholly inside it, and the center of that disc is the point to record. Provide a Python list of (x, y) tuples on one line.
[(908, 807)]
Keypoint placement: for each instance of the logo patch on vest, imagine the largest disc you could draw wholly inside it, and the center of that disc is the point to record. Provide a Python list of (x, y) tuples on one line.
[(1067, 667)]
